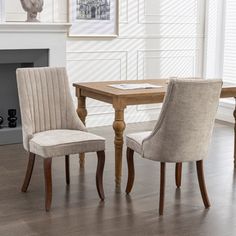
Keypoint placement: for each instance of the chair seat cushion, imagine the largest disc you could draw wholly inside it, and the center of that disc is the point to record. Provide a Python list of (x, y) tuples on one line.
[(62, 142), (134, 140)]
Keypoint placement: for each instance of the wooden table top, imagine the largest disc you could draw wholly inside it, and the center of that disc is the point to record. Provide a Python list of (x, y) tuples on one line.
[(103, 88)]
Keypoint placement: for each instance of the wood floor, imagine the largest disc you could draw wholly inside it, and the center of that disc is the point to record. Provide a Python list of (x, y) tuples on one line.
[(77, 210)]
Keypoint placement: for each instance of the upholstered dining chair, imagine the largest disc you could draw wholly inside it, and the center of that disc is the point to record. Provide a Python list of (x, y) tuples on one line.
[(182, 132), (51, 127)]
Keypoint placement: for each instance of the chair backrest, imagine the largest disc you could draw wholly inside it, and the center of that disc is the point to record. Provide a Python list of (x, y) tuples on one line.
[(45, 101), (185, 124)]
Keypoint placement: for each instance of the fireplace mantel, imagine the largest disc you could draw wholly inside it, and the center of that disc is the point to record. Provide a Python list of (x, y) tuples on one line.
[(24, 35), (34, 27)]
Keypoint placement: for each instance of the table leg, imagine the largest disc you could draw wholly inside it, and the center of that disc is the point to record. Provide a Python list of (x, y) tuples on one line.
[(235, 135), (82, 113), (119, 127)]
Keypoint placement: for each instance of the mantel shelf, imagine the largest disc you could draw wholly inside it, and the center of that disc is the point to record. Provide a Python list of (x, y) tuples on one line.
[(34, 27)]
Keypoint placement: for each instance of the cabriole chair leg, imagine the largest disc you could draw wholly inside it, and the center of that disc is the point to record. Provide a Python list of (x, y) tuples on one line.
[(201, 181), (131, 171), (99, 174), (29, 171)]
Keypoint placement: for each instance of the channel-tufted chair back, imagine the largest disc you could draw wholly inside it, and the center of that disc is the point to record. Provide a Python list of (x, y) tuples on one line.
[(45, 101)]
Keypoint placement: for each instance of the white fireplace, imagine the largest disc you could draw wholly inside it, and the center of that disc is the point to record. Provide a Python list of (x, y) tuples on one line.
[(26, 45)]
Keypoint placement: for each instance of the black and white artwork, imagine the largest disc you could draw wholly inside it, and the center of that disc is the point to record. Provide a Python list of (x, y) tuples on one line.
[(93, 10), (93, 18)]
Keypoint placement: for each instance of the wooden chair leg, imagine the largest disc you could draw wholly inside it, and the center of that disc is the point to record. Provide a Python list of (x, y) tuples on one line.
[(99, 174), (67, 169), (29, 171), (201, 181), (178, 174), (131, 171), (162, 188), (48, 182)]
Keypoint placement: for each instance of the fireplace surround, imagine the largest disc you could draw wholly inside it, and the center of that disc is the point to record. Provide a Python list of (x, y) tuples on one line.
[(26, 45), (10, 60)]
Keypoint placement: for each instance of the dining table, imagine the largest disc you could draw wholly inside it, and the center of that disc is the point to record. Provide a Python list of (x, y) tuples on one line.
[(112, 92)]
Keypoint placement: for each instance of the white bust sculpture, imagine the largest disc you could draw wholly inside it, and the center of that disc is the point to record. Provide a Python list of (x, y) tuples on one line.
[(32, 7)]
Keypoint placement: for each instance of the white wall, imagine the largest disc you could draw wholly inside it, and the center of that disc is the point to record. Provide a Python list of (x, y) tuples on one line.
[(158, 38)]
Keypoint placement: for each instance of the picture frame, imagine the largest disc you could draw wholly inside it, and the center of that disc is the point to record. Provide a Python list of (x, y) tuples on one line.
[(93, 18)]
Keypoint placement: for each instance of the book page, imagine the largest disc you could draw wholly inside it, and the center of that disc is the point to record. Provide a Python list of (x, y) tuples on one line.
[(134, 86)]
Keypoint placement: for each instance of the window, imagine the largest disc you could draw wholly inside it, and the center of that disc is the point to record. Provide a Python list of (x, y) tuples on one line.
[(220, 50), (229, 58)]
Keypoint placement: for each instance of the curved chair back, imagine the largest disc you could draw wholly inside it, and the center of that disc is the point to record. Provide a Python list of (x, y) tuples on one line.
[(45, 101), (185, 125)]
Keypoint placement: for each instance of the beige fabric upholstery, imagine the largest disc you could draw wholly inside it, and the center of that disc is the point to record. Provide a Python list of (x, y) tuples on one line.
[(185, 125), (134, 140), (46, 104), (62, 142)]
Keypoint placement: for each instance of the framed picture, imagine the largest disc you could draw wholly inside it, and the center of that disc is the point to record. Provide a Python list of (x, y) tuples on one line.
[(93, 18)]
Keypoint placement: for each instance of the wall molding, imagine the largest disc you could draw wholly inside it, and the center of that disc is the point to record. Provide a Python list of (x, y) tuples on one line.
[(96, 107), (158, 36), (126, 18), (143, 55), (143, 16)]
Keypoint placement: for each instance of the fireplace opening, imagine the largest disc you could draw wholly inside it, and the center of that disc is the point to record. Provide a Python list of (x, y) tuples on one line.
[(10, 60)]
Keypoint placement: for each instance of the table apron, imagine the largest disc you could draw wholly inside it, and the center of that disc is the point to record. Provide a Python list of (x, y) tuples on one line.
[(96, 96), (143, 100)]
